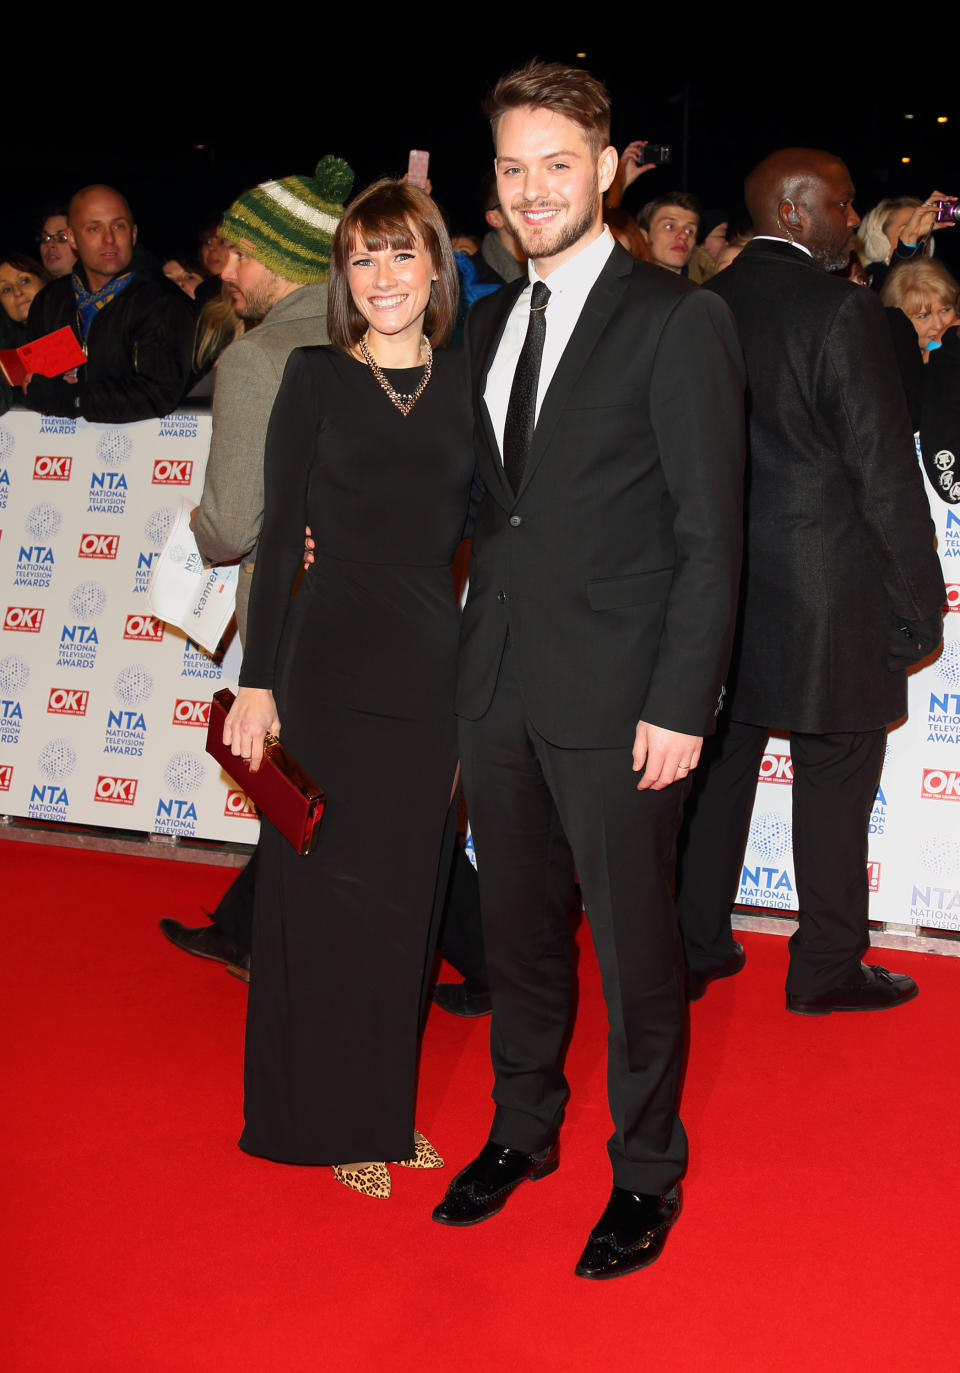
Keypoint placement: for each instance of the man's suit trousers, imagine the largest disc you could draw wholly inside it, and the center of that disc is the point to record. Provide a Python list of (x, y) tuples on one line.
[(536, 809), (835, 779)]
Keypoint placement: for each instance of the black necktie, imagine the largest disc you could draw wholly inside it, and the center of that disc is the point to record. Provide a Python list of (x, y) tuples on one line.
[(522, 407)]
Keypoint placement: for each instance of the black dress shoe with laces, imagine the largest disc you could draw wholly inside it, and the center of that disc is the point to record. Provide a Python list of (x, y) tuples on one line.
[(208, 941), (630, 1234), (697, 983), (481, 1189), (877, 990), (456, 998)]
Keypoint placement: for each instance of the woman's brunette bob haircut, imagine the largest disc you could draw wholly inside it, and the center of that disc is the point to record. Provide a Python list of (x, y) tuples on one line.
[(391, 215)]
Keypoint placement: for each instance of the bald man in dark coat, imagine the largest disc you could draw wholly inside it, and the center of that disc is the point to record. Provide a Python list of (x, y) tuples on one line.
[(841, 588)]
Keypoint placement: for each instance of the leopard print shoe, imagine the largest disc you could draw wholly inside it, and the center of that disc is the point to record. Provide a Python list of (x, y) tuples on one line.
[(370, 1179), (425, 1156)]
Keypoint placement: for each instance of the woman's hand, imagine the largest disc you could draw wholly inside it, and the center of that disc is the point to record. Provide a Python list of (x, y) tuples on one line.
[(629, 167), (923, 221), (252, 715)]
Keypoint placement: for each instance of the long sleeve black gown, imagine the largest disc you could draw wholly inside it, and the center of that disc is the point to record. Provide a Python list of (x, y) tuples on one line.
[(362, 666)]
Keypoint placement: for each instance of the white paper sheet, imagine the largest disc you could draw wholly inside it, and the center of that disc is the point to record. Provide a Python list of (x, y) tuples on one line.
[(197, 599)]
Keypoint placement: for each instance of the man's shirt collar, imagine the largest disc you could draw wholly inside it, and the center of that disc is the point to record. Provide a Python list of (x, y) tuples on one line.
[(775, 238), (578, 274)]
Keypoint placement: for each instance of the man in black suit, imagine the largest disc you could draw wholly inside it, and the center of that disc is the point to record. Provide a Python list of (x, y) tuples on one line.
[(841, 592), (609, 428)]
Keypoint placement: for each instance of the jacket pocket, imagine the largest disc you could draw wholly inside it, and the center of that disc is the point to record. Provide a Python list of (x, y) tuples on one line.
[(642, 588)]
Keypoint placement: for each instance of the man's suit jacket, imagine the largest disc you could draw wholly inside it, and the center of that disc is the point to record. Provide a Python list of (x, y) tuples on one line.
[(839, 539), (615, 566), (249, 373)]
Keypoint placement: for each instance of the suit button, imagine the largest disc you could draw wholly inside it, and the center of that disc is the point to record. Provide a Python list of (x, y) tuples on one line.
[(515, 520), (501, 596)]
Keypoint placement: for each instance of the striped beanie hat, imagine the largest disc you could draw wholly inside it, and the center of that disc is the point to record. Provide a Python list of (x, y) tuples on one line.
[(290, 224)]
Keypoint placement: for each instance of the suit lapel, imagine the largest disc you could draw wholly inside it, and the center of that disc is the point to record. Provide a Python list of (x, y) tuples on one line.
[(603, 300)]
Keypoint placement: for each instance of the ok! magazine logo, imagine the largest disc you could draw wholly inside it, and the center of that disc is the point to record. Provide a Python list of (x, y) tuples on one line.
[(143, 628), (52, 469), (940, 784)]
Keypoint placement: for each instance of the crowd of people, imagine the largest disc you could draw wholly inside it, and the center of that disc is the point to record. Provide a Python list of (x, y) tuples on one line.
[(616, 677), (155, 353)]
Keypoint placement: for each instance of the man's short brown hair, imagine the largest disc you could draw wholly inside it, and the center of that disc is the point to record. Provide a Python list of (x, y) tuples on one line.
[(390, 214), (575, 94), (684, 199)]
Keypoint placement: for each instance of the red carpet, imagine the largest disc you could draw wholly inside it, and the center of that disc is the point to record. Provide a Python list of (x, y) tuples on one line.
[(820, 1221)]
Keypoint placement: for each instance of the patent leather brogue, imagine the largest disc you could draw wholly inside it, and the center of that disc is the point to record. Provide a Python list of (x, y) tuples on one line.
[(630, 1234), (481, 1189), (698, 982), (456, 998), (208, 941), (878, 990)]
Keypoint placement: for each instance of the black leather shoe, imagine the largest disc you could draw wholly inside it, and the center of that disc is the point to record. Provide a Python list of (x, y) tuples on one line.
[(454, 997), (697, 983), (482, 1188), (878, 990), (208, 941), (630, 1234)]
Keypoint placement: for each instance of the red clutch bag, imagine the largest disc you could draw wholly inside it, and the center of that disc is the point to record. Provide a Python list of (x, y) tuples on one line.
[(280, 789)]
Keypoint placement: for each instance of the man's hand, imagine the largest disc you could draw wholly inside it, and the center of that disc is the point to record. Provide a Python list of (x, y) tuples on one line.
[(252, 715), (308, 546), (663, 756)]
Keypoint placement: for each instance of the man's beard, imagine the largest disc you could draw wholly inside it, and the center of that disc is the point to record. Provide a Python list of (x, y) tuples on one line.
[(830, 254), (541, 243), (256, 304)]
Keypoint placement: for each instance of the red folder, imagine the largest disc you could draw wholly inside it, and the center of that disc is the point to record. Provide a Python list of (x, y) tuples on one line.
[(50, 356)]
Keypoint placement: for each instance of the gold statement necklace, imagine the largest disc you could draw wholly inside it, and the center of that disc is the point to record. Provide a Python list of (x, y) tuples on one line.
[(403, 402)]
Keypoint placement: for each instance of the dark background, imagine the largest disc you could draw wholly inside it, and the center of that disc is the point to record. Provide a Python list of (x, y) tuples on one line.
[(183, 129)]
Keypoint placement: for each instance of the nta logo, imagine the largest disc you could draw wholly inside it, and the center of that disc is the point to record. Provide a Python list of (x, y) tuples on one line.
[(67, 701), (98, 545), (143, 627), (940, 784), (52, 469), (239, 806), (192, 713), (172, 472), (26, 619), (122, 791)]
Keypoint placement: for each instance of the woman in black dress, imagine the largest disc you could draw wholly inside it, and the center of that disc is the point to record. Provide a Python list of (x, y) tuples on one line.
[(369, 444)]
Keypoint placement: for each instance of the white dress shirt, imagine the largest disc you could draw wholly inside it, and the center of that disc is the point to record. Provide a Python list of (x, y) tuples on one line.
[(569, 285)]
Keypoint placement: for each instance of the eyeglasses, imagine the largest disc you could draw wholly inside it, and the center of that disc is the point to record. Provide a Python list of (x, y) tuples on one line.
[(59, 237)]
